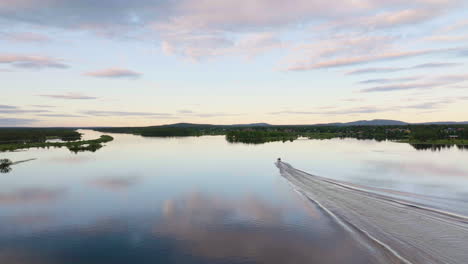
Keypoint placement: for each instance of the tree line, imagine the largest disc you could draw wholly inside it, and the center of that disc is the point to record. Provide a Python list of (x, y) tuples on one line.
[(37, 135), (262, 134)]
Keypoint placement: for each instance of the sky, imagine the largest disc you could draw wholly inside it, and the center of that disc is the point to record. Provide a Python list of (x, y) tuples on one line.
[(151, 62)]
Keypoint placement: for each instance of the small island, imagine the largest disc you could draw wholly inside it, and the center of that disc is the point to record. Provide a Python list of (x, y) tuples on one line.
[(12, 139)]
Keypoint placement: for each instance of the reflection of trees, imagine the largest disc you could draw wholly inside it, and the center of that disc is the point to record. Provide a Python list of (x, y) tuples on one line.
[(431, 147), (462, 147), (92, 147), (5, 165), (438, 147)]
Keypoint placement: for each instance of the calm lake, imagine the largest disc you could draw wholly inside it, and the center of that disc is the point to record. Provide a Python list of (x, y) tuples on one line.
[(204, 200)]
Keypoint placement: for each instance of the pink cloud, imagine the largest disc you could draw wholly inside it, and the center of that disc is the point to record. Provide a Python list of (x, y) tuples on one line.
[(114, 73), (448, 38), (439, 81), (69, 96), (363, 59), (210, 14), (205, 28), (197, 46), (27, 37), (31, 195), (459, 25), (18, 4), (398, 18), (28, 61)]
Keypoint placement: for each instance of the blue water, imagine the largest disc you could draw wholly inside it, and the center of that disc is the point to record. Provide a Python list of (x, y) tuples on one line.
[(201, 199)]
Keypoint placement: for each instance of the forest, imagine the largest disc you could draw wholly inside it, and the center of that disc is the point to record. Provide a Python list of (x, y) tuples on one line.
[(21, 138), (415, 134), (37, 135)]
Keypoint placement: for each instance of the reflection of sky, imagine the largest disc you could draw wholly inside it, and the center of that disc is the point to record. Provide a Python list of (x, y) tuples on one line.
[(192, 228), (161, 180), (204, 226)]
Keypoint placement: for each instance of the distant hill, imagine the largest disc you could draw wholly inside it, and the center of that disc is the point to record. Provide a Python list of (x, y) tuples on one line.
[(444, 123), (252, 125), (385, 122), (186, 125), (375, 122), (190, 125)]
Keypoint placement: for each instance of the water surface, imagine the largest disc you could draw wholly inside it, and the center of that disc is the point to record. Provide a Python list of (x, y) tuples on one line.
[(204, 200)]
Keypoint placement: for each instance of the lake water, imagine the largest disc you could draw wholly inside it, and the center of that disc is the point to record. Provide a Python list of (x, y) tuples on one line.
[(204, 200)]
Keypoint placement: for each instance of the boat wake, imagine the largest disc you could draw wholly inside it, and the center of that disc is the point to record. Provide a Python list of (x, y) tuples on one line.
[(396, 230)]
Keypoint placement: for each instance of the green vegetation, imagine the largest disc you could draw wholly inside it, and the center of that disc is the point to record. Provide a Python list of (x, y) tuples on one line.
[(321, 135), (438, 135), (37, 135), (180, 130), (88, 145), (76, 146), (259, 136), (23, 138), (414, 134)]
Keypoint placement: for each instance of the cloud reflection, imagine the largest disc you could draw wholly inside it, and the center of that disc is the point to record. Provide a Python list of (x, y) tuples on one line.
[(116, 183), (71, 159), (416, 168), (31, 195), (194, 228), (207, 227)]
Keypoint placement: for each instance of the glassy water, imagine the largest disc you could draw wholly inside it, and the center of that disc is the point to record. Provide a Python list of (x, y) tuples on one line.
[(204, 200)]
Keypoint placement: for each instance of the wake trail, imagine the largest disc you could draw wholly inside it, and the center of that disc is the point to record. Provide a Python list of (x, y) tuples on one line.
[(398, 231)]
